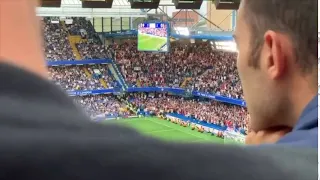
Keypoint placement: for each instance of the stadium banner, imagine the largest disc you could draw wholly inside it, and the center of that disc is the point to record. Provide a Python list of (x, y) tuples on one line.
[(78, 62), (177, 91), (220, 98), (91, 92)]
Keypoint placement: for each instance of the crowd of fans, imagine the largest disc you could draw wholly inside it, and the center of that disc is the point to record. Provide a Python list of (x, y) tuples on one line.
[(210, 70), (222, 79), (91, 46), (195, 66), (212, 112), (82, 27), (207, 70), (56, 43), (75, 77), (90, 50), (102, 105)]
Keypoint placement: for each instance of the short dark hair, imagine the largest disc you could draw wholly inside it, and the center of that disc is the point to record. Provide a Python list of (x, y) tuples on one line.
[(296, 18)]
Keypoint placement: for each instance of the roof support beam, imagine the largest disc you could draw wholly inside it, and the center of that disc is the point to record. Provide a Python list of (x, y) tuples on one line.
[(89, 12)]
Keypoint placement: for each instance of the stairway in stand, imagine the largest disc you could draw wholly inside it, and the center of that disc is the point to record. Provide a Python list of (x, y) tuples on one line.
[(117, 76), (138, 83), (73, 40), (63, 24), (185, 82), (103, 82)]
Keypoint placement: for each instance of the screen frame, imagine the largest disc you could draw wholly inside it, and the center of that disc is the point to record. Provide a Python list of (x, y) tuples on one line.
[(168, 36)]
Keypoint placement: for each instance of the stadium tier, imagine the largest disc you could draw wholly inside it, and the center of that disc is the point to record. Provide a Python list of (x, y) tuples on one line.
[(194, 67)]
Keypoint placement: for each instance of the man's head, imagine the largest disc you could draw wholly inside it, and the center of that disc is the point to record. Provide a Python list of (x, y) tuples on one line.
[(20, 36), (277, 59)]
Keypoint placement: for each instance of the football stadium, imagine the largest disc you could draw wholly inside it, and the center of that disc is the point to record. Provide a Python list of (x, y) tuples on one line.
[(158, 89), (155, 71)]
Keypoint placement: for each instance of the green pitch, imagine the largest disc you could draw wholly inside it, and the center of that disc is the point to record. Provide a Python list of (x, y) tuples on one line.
[(165, 130), (148, 42)]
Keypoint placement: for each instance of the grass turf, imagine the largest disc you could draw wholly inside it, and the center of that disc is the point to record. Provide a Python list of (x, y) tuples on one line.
[(150, 43), (165, 130)]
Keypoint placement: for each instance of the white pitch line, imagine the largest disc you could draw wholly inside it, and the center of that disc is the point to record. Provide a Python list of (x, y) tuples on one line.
[(164, 130), (128, 120), (200, 140), (178, 130)]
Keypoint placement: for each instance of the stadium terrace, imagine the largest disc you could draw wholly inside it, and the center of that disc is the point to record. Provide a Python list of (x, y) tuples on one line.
[(192, 84)]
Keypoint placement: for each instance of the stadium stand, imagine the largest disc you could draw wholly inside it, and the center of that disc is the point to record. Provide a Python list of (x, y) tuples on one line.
[(209, 70), (195, 66)]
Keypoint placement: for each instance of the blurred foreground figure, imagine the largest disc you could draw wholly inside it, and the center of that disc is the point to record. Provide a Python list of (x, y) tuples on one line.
[(44, 136)]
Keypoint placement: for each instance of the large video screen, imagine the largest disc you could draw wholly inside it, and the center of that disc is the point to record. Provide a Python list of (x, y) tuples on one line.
[(153, 36)]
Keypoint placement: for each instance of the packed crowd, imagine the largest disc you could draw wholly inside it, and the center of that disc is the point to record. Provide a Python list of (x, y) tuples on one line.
[(56, 43), (162, 32), (82, 27), (90, 50), (210, 70), (75, 77), (207, 70), (195, 66), (91, 47), (222, 79), (102, 105), (212, 112)]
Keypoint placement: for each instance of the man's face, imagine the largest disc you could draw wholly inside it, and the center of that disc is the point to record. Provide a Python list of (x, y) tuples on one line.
[(260, 92)]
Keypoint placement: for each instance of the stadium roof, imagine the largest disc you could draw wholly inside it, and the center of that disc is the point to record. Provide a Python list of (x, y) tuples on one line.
[(73, 8)]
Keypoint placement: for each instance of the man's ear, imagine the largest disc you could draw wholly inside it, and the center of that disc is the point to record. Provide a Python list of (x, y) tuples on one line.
[(276, 58)]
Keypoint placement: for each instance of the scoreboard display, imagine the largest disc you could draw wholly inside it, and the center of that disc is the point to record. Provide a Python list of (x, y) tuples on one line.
[(153, 36)]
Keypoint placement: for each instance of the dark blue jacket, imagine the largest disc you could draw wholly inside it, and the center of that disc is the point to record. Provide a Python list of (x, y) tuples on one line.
[(305, 133)]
